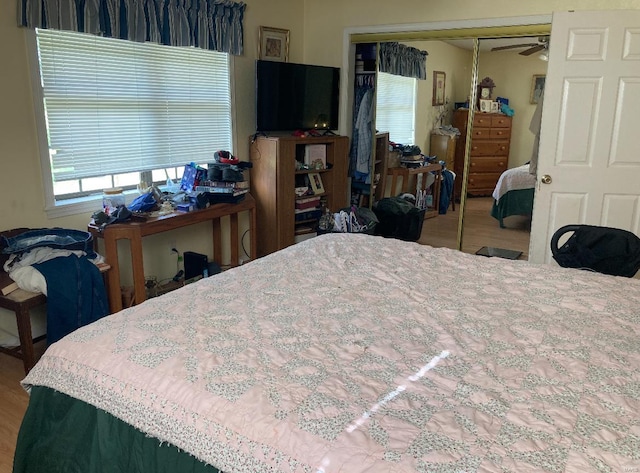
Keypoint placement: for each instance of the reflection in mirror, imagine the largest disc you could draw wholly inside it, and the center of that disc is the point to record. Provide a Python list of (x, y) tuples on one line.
[(515, 66), (500, 187), (427, 127)]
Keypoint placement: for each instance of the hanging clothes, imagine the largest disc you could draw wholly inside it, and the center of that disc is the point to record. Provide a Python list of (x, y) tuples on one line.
[(362, 141), (534, 127), (446, 188)]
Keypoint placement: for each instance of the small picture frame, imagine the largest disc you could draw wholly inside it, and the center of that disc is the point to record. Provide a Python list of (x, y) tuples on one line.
[(273, 44), (495, 107), (439, 82), (485, 105), (537, 88), (315, 181)]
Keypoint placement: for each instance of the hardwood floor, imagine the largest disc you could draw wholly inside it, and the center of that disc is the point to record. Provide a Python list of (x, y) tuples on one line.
[(13, 404), (480, 229)]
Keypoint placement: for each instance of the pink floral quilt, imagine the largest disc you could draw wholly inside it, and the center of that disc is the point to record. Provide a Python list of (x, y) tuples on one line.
[(354, 353)]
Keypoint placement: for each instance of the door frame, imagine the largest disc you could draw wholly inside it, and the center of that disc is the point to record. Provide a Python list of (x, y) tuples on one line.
[(533, 25)]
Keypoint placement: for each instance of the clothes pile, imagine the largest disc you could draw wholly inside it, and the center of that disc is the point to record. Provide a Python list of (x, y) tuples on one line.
[(61, 264)]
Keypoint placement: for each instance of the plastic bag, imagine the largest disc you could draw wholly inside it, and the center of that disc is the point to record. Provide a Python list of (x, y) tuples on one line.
[(143, 203)]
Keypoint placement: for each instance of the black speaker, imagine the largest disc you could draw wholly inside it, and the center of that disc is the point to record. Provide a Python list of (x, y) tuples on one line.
[(195, 264)]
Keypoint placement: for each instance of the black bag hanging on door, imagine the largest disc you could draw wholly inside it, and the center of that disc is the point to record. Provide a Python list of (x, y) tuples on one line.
[(602, 249)]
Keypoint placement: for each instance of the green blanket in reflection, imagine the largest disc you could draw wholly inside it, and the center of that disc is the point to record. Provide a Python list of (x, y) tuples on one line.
[(515, 202)]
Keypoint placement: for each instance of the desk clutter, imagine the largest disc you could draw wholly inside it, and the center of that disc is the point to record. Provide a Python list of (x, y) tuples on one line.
[(223, 181)]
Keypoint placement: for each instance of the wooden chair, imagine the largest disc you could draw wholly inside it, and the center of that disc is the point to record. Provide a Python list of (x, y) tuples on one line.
[(21, 302)]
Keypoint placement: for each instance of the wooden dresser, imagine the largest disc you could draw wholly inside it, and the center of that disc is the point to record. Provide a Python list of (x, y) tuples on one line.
[(489, 152)]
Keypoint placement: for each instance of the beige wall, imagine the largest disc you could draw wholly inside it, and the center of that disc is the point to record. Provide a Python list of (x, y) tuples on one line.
[(325, 21), (513, 74), (456, 63)]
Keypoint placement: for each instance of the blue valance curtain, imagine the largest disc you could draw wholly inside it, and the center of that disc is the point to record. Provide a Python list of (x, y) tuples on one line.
[(402, 60), (208, 24)]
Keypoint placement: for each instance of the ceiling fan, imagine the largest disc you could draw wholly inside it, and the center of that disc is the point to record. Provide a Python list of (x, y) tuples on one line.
[(541, 45)]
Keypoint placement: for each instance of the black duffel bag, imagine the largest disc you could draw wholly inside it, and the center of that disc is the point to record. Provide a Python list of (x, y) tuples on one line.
[(398, 218)]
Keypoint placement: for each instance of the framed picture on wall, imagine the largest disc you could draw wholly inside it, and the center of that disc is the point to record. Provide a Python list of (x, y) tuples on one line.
[(537, 88), (439, 79), (273, 44)]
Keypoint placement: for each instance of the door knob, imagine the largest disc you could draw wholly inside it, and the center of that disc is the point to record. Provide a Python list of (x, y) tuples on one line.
[(546, 179)]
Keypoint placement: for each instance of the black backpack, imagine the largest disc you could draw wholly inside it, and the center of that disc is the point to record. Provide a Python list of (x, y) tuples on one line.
[(602, 249)]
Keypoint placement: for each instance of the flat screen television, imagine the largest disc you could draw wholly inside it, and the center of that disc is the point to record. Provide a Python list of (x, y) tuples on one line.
[(292, 96)]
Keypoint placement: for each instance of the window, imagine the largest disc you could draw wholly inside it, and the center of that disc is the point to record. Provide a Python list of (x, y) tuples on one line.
[(118, 112), (395, 107)]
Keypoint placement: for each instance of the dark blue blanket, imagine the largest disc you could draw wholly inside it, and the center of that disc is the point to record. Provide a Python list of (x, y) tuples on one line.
[(76, 295)]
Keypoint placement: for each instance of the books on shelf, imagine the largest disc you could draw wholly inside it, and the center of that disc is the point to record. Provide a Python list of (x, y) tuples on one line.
[(308, 203), (307, 214), (315, 156)]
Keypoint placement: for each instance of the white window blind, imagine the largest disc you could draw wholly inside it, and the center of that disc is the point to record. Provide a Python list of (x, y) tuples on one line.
[(395, 107), (116, 106)]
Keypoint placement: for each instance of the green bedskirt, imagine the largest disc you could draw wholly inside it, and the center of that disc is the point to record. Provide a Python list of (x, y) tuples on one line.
[(62, 434), (516, 202)]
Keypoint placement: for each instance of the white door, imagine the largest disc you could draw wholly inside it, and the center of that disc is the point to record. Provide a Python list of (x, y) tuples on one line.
[(590, 127)]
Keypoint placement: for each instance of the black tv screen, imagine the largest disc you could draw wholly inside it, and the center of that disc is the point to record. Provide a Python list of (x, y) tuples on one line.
[(293, 96)]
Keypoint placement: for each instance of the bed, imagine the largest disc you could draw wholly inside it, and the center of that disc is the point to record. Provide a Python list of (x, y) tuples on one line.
[(513, 194), (350, 353)]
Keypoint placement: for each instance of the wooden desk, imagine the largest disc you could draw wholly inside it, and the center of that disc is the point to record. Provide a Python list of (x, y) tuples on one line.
[(406, 174), (136, 229)]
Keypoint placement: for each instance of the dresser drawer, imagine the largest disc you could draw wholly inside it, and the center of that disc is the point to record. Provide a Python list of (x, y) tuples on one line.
[(500, 133), (489, 148), (482, 182), (500, 121), (480, 133), (488, 133), (482, 120), (498, 164)]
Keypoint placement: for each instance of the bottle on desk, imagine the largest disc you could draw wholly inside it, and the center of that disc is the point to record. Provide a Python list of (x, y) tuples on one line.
[(111, 199)]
